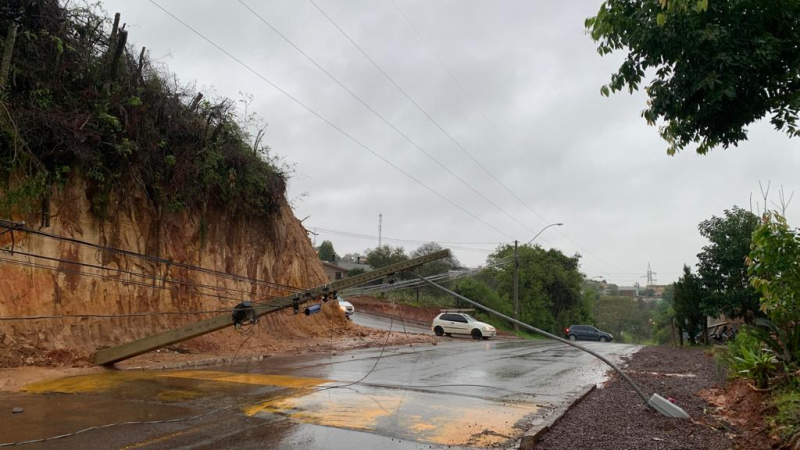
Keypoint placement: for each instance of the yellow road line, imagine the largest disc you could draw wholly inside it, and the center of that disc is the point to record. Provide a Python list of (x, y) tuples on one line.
[(171, 436), (255, 379)]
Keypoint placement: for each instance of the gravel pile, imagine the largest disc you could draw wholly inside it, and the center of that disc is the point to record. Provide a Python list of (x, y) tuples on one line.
[(614, 417)]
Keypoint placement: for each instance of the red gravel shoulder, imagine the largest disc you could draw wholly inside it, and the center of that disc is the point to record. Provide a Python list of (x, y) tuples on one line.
[(614, 417)]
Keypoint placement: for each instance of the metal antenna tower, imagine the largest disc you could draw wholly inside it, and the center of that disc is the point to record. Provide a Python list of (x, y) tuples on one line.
[(380, 230), (651, 279)]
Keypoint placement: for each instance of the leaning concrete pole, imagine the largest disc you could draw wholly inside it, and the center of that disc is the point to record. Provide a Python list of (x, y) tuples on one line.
[(150, 343), (656, 401)]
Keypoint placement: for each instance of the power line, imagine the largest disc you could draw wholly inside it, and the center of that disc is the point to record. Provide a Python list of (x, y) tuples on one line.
[(417, 105), (331, 124), (379, 115), (458, 83), (449, 136), (409, 284), (367, 237), (110, 278), (154, 278), (12, 226), (113, 316), (408, 241)]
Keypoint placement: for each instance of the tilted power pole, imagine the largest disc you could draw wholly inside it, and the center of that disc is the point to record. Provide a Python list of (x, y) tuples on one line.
[(129, 350)]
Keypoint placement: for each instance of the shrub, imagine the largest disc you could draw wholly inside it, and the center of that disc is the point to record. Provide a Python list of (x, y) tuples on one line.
[(784, 342), (786, 419), (747, 358), (123, 128)]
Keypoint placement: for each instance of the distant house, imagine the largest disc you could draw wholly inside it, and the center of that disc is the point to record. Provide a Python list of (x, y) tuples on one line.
[(629, 291), (334, 271)]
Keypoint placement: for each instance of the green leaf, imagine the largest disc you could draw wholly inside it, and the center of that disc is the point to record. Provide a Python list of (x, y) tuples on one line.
[(661, 19), (604, 91), (702, 5)]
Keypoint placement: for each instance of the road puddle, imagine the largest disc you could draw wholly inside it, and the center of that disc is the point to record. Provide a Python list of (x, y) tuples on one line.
[(86, 384), (411, 415), (129, 381), (245, 378), (414, 415)]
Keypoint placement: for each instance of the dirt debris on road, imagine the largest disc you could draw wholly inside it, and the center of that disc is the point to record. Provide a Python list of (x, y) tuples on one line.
[(276, 334), (614, 417), (421, 315)]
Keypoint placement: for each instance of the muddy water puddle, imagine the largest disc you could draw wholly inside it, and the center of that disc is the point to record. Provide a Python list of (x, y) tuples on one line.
[(443, 419), (428, 417)]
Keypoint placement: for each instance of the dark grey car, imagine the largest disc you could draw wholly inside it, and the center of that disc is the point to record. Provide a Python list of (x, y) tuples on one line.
[(587, 333)]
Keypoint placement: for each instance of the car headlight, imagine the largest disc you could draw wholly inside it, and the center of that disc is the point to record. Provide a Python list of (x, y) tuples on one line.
[(488, 328)]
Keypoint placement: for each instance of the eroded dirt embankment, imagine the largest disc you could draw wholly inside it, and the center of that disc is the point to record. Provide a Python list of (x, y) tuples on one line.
[(70, 279)]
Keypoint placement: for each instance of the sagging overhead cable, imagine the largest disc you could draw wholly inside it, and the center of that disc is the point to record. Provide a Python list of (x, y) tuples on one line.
[(656, 401)]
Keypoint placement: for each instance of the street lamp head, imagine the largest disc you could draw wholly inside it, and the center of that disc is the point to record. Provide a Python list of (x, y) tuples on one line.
[(558, 224)]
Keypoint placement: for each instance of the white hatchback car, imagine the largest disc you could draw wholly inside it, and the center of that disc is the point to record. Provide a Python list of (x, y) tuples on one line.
[(345, 306), (460, 323)]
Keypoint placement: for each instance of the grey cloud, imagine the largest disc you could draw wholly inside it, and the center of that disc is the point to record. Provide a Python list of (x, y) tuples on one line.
[(588, 161)]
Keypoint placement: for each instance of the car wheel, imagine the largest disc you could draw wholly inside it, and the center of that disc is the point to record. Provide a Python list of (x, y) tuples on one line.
[(438, 331), (476, 334), (572, 338), (603, 339)]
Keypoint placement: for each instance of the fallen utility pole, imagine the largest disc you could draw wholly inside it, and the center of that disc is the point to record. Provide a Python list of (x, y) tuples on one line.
[(150, 343), (656, 402)]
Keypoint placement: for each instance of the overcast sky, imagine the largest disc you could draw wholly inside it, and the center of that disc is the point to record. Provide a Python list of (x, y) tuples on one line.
[(532, 116)]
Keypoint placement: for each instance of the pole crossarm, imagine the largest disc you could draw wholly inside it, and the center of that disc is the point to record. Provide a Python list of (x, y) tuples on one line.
[(128, 350)]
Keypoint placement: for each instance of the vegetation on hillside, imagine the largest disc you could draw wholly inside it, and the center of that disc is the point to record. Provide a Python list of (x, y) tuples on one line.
[(767, 352), (78, 101)]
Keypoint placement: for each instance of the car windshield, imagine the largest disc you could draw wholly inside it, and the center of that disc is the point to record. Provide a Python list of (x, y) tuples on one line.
[(469, 318)]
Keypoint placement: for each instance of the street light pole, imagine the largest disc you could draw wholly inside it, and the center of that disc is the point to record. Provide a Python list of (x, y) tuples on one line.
[(516, 272), (542, 231)]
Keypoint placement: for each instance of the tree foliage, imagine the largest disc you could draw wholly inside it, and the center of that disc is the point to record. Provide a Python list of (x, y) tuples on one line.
[(440, 266), (722, 264), (717, 65), (481, 292), (125, 127), (355, 271), (662, 317), (688, 297), (628, 319), (774, 268), (385, 255), (326, 251), (549, 285)]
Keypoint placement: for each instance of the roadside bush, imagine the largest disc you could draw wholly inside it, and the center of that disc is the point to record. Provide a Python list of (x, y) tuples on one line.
[(786, 402), (747, 358), (773, 269), (784, 342), (79, 102)]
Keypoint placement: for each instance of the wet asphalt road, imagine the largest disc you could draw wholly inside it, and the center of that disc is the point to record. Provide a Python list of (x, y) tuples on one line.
[(460, 393)]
